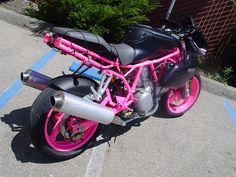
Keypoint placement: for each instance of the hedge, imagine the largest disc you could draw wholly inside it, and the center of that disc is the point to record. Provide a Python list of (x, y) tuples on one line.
[(108, 18)]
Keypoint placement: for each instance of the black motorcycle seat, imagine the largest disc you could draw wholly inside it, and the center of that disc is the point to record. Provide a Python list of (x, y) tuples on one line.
[(97, 44), (82, 35), (124, 52)]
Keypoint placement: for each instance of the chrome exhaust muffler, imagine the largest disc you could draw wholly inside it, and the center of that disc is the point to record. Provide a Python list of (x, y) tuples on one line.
[(34, 79), (80, 107)]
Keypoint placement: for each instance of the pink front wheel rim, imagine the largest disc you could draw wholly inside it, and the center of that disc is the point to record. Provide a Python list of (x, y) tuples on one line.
[(66, 145), (186, 102)]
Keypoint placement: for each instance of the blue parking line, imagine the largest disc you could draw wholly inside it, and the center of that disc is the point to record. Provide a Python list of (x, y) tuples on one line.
[(9, 93), (44, 60), (230, 109)]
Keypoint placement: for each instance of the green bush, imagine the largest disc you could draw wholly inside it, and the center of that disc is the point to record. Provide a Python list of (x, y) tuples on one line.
[(224, 76), (108, 18), (234, 1)]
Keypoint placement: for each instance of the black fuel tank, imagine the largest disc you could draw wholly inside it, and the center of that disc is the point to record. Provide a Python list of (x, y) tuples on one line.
[(146, 40)]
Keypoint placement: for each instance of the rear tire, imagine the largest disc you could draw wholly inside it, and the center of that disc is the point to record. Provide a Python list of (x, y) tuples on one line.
[(41, 117), (170, 109)]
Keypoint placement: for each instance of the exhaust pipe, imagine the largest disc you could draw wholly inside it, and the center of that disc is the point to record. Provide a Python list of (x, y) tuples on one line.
[(34, 79), (80, 107)]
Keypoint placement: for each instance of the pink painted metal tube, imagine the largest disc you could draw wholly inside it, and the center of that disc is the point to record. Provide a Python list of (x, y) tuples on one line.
[(137, 78), (110, 72), (81, 49), (154, 75), (83, 58), (148, 62)]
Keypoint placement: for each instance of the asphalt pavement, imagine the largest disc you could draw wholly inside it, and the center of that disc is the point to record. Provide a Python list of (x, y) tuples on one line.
[(200, 143)]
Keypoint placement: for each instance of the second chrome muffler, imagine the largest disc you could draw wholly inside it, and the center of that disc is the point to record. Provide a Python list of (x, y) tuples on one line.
[(80, 107), (34, 79)]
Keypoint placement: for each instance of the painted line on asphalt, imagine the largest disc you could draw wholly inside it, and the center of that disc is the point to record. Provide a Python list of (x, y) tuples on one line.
[(230, 110), (94, 166), (10, 92)]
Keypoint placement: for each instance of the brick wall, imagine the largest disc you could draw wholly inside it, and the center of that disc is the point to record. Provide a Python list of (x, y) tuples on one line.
[(215, 17)]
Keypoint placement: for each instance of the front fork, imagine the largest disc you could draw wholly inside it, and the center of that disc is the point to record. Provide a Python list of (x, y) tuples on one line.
[(186, 90)]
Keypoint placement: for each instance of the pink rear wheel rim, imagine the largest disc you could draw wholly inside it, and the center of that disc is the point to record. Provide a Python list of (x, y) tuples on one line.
[(187, 103), (53, 121)]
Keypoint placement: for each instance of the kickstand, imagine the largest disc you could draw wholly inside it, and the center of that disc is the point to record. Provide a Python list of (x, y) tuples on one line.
[(109, 135), (111, 131), (115, 133), (115, 139), (109, 144)]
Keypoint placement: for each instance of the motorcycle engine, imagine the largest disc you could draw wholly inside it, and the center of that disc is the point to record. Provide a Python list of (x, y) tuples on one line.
[(144, 94)]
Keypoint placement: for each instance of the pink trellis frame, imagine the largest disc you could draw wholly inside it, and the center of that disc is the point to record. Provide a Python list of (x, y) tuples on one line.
[(114, 69)]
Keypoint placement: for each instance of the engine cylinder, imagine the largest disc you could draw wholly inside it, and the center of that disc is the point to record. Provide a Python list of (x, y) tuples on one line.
[(143, 101), (143, 97)]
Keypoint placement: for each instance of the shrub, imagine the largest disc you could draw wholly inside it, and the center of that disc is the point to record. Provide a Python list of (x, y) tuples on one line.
[(109, 18), (224, 76), (234, 1)]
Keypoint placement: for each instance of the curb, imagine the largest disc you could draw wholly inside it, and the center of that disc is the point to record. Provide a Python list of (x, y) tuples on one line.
[(39, 27), (218, 88)]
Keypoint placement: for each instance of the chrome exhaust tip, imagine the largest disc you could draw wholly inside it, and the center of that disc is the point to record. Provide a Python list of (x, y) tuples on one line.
[(57, 100), (34, 79), (24, 76), (118, 121)]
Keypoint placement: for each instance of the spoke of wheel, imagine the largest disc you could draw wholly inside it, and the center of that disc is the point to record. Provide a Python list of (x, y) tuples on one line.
[(55, 131)]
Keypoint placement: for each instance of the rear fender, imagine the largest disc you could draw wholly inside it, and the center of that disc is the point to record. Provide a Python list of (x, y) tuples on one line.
[(77, 85)]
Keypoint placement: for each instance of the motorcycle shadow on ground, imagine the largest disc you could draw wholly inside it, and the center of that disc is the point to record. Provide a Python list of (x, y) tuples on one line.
[(24, 151), (17, 120)]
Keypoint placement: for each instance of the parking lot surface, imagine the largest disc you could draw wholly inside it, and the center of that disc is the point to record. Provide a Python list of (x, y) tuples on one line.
[(200, 143)]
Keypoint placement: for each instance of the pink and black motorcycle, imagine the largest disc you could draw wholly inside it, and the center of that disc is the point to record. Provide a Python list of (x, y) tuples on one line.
[(152, 67)]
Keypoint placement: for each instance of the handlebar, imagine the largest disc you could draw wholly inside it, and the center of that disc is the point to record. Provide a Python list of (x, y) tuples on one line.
[(185, 27)]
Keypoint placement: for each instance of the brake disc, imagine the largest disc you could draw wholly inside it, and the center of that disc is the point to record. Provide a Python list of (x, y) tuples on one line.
[(67, 131)]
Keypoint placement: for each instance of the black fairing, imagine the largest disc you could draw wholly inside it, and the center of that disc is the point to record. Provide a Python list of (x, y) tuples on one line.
[(179, 74), (77, 85), (147, 40)]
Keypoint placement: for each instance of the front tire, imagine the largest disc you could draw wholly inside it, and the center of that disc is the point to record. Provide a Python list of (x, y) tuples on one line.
[(173, 102), (45, 129)]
